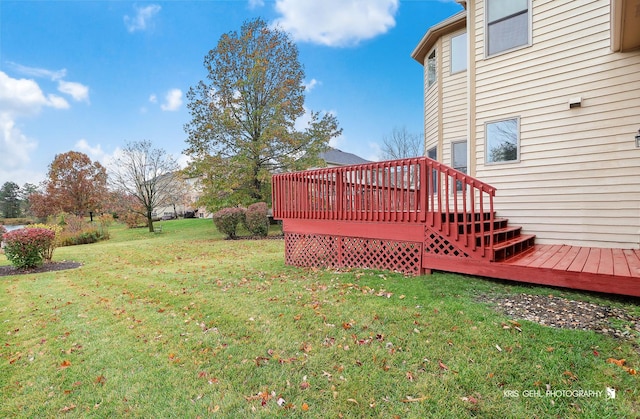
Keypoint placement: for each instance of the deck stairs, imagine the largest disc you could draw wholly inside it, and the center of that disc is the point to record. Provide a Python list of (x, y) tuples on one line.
[(473, 234)]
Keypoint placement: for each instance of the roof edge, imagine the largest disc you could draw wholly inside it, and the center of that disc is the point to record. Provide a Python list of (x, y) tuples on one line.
[(451, 24)]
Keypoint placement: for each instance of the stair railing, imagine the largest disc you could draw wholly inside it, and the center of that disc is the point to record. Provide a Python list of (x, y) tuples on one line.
[(414, 190)]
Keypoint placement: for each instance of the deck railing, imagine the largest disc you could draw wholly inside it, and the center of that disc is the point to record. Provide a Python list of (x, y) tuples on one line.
[(408, 190)]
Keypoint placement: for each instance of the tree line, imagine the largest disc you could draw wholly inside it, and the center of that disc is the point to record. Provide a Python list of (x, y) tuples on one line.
[(141, 179)]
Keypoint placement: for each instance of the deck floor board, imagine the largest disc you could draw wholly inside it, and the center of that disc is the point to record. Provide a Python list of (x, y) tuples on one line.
[(620, 265), (633, 261), (615, 271)]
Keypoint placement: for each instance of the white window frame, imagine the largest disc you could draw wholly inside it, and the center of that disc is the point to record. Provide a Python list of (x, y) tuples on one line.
[(486, 141), (435, 69), (434, 173), (458, 185), (466, 53), (486, 31)]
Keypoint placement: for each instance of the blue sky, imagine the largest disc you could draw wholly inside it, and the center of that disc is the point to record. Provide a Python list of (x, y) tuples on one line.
[(89, 76)]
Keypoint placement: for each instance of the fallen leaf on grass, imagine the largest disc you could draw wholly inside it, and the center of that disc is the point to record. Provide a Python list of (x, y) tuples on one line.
[(68, 408), (410, 399), (65, 364), (305, 347), (305, 407), (100, 379), (618, 362), (469, 399), (571, 375)]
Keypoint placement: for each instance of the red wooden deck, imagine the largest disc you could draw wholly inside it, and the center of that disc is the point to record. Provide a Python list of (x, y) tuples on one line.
[(416, 215), (613, 271)]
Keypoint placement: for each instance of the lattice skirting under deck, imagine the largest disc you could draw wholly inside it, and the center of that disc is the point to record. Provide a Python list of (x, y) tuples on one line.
[(436, 244), (339, 251)]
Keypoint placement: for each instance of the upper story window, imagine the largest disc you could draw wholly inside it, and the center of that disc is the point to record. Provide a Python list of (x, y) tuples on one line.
[(459, 53), (431, 69), (502, 141), (459, 159), (507, 24)]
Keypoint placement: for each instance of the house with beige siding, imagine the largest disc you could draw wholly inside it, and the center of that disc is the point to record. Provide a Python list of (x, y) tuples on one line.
[(541, 100)]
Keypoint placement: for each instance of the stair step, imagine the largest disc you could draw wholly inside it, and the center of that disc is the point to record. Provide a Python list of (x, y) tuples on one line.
[(500, 235), (505, 250), (469, 226), (475, 217)]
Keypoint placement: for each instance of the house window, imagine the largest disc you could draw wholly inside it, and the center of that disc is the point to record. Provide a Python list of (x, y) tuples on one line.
[(459, 53), (502, 141), (431, 69), (459, 159), (507, 25), (432, 153)]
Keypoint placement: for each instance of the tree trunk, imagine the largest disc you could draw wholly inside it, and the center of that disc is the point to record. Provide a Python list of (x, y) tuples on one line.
[(150, 221)]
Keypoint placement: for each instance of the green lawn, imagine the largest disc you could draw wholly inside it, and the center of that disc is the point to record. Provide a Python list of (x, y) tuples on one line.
[(185, 324)]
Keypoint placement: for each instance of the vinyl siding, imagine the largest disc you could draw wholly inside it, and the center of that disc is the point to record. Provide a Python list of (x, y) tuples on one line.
[(432, 111), (578, 178), (453, 98)]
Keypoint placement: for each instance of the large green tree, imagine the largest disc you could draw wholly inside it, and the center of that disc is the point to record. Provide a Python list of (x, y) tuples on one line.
[(10, 200), (243, 125)]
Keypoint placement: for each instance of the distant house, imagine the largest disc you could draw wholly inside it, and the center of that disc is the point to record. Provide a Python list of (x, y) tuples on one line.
[(541, 99), (181, 201), (335, 158)]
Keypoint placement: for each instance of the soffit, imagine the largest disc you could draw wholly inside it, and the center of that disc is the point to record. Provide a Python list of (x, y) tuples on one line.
[(625, 25), (452, 24)]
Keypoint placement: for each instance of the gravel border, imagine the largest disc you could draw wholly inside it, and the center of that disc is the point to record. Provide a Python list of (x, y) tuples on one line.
[(558, 312)]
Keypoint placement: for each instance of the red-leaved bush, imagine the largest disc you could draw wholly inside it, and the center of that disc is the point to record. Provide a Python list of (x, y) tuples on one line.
[(256, 219), (227, 220), (26, 247)]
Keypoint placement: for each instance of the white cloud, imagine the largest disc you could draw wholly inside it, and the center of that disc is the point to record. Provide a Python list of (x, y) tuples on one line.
[(24, 97), (15, 147), (336, 22), (143, 18), (153, 98), (39, 72), (309, 86), (57, 102), (254, 4), (79, 92), (95, 153), (21, 98), (172, 101)]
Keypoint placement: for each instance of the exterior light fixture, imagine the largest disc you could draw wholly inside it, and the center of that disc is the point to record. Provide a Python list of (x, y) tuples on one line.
[(638, 139)]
